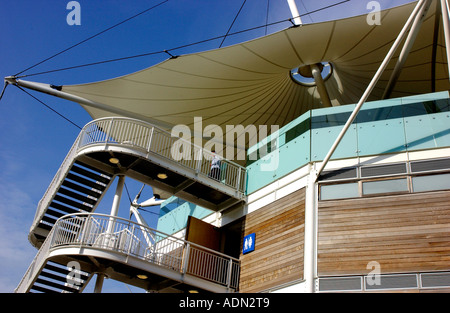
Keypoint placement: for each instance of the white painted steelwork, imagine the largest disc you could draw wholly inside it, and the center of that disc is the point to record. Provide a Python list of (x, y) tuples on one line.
[(93, 232), (151, 139)]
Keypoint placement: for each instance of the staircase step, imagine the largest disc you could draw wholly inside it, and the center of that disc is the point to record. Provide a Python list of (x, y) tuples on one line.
[(49, 219), (86, 182), (63, 208), (89, 174), (43, 289), (53, 279), (63, 270), (45, 226), (53, 276), (81, 189), (53, 213), (56, 285), (73, 203), (77, 196), (92, 168)]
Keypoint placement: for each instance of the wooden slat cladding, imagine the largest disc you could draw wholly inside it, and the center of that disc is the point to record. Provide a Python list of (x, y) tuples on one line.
[(278, 255), (407, 233)]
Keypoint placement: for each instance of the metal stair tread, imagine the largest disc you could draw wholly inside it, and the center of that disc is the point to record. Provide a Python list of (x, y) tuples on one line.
[(72, 203), (85, 182), (89, 174), (64, 191), (81, 189)]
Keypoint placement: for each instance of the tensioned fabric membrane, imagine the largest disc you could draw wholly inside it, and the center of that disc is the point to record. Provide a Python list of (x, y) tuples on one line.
[(250, 83)]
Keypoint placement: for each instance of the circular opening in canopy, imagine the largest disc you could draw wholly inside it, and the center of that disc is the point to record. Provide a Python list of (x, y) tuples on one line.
[(303, 75)]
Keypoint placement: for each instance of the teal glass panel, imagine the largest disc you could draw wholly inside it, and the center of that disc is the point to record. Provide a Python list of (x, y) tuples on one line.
[(380, 128), (172, 220), (385, 186), (298, 130), (323, 139), (288, 158), (261, 172), (432, 182), (170, 204), (427, 124), (425, 97), (293, 155), (340, 191), (387, 126), (326, 125), (376, 111)]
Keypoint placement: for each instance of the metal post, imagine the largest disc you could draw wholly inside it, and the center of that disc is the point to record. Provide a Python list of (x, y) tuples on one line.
[(410, 40), (309, 248), (446, 24), (116, 203), (230, 269), (46, 88), (372, 84), (294, 11), (199, 159), (238, 186), (84, 230), (187, 252), (320, 83), (99, 283), (149, 147)]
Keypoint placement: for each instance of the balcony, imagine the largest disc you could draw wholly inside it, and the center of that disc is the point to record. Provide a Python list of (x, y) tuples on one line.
[(109, 147), (128, 252)]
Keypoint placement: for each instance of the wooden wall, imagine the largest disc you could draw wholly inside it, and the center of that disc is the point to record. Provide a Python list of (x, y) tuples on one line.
[(407, 233), (278, 255)]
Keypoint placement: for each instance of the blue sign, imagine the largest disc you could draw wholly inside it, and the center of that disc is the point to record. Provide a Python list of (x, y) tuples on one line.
[(249, 243)]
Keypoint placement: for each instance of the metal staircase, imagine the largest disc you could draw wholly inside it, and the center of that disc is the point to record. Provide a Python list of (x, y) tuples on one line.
[(55, 278), (124, 251), (65, 228), (140, 151), (80, 191)]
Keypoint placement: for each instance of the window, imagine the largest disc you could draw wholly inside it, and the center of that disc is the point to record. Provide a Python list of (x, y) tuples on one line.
[(430, 183), (339, 191), (385, 186)]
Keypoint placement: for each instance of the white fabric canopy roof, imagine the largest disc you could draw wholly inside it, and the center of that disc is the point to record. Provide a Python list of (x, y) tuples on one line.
[(250, 83)]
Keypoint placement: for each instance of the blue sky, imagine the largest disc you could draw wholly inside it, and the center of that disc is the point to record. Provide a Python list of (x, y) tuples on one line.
[(35, 140)]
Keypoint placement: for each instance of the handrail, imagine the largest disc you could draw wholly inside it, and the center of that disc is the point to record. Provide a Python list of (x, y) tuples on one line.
[(128, 237), (56, 181), (151, 139), (142, 135), (35, 265)]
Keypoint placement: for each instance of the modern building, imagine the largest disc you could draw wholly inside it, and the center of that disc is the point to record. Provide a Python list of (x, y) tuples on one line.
[(349, 193)]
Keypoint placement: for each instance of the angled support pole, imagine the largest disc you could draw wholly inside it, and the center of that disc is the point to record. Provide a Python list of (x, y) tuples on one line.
[(310, 242), (414, 15), (410, 40), (57, 92)]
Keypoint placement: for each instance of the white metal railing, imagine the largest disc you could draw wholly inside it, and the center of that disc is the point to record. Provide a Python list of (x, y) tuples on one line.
[(144, 136), (56, 181), (151, 139), (124, 236), (34, 268)]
